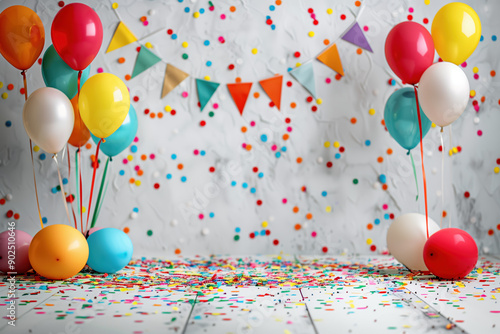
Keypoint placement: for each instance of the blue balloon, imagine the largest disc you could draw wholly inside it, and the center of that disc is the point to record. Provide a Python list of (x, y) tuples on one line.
[(122, 137), (57, 74), (110, 250), (401, 118)]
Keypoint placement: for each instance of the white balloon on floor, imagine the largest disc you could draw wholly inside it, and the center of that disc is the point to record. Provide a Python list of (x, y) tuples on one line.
[(406, 239)]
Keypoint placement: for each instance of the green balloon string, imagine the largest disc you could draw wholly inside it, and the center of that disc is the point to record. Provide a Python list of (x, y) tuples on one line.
[(414, 173), (100, 196)]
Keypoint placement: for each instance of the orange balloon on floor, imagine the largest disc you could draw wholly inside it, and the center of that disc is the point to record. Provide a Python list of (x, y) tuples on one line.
[(22, 36), (58, 252), (80, 134)]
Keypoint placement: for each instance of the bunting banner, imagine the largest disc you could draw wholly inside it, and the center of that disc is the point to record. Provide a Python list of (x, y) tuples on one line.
[(173, 77), (122, 36), (272, 87), (205, 91), (304, 74), (355, 36), (145, 59), (330, 57), (239, 92)]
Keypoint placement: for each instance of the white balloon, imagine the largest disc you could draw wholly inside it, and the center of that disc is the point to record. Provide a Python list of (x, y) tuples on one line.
[(406, 238), (443, 93), (48, 119)]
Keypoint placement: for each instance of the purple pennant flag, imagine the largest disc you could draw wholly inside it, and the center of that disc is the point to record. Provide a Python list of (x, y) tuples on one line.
[(355, 36)]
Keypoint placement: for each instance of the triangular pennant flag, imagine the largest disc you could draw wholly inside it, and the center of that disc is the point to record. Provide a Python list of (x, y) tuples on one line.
[(173, 77), (123, 36), (239, 92), (272, 87), (205, 91), (355, 36), (304, 74), (330, 57), (145, 59)]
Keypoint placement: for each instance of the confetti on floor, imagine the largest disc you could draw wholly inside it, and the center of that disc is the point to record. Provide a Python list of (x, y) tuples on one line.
[(257, 294)]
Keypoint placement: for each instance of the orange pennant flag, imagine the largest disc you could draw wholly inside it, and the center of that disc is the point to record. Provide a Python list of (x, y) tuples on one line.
[(330, 57), (272, 87), (239, 92)]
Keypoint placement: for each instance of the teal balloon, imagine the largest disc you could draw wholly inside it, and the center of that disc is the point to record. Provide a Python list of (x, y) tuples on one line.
[(57, 74), (122, 137), (110, 250), (401, 118)]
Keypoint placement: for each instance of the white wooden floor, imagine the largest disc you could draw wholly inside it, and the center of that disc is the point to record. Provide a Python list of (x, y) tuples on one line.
[(257, 294)]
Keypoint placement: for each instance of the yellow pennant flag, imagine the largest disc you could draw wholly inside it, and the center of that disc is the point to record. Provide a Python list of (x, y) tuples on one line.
[(123, 36)]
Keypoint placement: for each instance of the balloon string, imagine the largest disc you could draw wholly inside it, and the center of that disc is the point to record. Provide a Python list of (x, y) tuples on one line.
[(79, 78), (451, 166), (34, 180), (25, 85), (81, 194), (414, 173), (62, 188), (100, 197), (93, 181), (23, 73), (442, 177), (423, 169), (69, 186)]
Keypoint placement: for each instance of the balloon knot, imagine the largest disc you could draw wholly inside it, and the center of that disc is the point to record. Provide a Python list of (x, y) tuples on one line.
[(103, 140), (408, 153), (441, 129), (110, 159)]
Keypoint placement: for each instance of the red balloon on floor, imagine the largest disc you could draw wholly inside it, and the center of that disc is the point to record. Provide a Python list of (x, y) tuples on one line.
[(450, 253)]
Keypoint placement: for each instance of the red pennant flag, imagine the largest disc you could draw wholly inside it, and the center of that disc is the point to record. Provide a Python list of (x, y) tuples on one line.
[(272, 87), (239, 92)]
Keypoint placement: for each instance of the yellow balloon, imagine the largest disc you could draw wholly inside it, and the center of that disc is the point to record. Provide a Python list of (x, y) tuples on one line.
[(58, 251), (456, 30), (104, 103)]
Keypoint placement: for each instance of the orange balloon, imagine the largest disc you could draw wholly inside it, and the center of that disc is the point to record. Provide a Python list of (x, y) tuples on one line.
[(22, 36), (80, 134), (58, 251)]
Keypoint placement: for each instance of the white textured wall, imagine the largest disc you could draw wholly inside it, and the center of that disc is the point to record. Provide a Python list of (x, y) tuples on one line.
[(364, 86)]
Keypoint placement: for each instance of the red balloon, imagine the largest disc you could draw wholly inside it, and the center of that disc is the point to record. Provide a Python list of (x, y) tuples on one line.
[(450, 253), (409, 50), (77, 35)]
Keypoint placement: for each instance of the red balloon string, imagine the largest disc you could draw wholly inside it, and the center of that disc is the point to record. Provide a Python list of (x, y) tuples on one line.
[(80, 160), (80, 188), (93, 181), (423, 169), (79, 78), (23, 73)]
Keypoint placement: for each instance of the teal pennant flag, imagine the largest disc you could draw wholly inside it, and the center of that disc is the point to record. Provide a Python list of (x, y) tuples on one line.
[(205, 91), (145, 59)]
